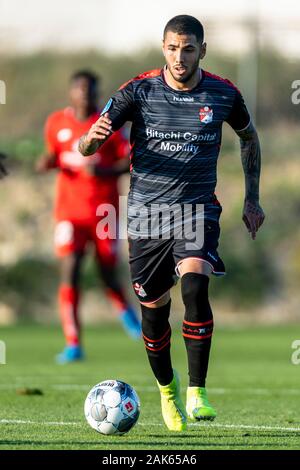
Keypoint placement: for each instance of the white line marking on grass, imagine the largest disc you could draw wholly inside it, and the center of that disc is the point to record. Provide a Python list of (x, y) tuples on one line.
[(42, 423), (247, 426), (68, 378), (150, 388), (199, 425), (232, 426)]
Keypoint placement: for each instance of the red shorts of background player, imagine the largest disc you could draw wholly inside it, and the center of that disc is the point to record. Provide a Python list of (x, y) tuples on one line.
[(74, 236)]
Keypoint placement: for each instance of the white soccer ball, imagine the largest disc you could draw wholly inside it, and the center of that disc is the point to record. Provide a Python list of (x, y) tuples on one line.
[(112, 407)]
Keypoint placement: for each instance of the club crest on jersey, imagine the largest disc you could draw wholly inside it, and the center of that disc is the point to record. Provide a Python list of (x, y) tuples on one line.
[(206, 114), (139, 289)]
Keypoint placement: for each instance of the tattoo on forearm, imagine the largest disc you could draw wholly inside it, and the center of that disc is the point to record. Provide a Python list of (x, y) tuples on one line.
[(86, 148), (251, 161)]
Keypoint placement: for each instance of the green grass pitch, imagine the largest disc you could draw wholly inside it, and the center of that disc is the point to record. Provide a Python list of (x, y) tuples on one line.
[(252, 383)]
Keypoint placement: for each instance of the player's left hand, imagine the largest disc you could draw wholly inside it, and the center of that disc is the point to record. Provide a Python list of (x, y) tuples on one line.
[(253, 217)]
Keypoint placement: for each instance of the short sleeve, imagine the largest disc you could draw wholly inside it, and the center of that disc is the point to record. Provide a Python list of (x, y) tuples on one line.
[(239, 116), (120, 106)]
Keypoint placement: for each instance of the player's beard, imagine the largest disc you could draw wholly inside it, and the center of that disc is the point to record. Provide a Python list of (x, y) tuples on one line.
[(186, 78)]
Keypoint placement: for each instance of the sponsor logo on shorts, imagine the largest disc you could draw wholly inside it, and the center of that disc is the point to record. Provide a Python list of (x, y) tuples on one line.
[(139, 289)]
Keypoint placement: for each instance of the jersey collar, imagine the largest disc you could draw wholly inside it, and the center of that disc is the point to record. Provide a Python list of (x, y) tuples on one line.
[(201, 78)]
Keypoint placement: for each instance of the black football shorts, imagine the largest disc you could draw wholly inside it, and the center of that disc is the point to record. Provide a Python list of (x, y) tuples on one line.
[(154, 262)]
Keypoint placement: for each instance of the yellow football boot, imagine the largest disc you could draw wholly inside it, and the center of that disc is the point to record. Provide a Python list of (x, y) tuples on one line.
[(198, 406), (171, 405)]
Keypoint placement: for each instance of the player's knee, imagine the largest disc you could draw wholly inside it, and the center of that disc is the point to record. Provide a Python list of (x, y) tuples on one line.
[(155, 322), (194, 289), (164, 300)]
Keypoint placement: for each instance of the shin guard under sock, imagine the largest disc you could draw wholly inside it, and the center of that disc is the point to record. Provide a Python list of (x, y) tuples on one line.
[(157, 334), (197, 326)]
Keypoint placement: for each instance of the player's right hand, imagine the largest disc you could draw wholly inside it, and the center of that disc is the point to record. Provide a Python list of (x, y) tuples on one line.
[(45, 162), (100, 130)]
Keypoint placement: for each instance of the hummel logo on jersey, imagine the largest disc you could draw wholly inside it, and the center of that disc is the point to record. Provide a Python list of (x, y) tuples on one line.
[(139, 289), (186, 99), (206, 115)]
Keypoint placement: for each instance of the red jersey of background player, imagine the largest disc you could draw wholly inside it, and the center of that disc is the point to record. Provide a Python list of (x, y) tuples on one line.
[(82, 186), (79, 191)]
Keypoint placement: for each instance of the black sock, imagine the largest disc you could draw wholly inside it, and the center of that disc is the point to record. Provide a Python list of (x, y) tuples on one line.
[(197, 326), (157, 334)]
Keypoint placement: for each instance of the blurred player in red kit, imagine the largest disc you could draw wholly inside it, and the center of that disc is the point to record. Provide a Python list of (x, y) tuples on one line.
[(82, 185)]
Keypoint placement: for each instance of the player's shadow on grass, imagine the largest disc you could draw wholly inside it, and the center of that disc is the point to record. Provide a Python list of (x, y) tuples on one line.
[(54, 444), (174, 440), (178, 440)]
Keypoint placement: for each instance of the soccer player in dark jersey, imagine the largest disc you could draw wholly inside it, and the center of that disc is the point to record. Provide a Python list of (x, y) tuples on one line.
[(177, 115), (82, 186)]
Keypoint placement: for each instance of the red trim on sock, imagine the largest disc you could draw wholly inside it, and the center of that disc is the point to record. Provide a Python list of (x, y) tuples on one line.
[(157, 340), (198, 324), (197, 337)]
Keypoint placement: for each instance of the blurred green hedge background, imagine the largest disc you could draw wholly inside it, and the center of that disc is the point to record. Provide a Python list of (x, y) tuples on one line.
[(263, 276)]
